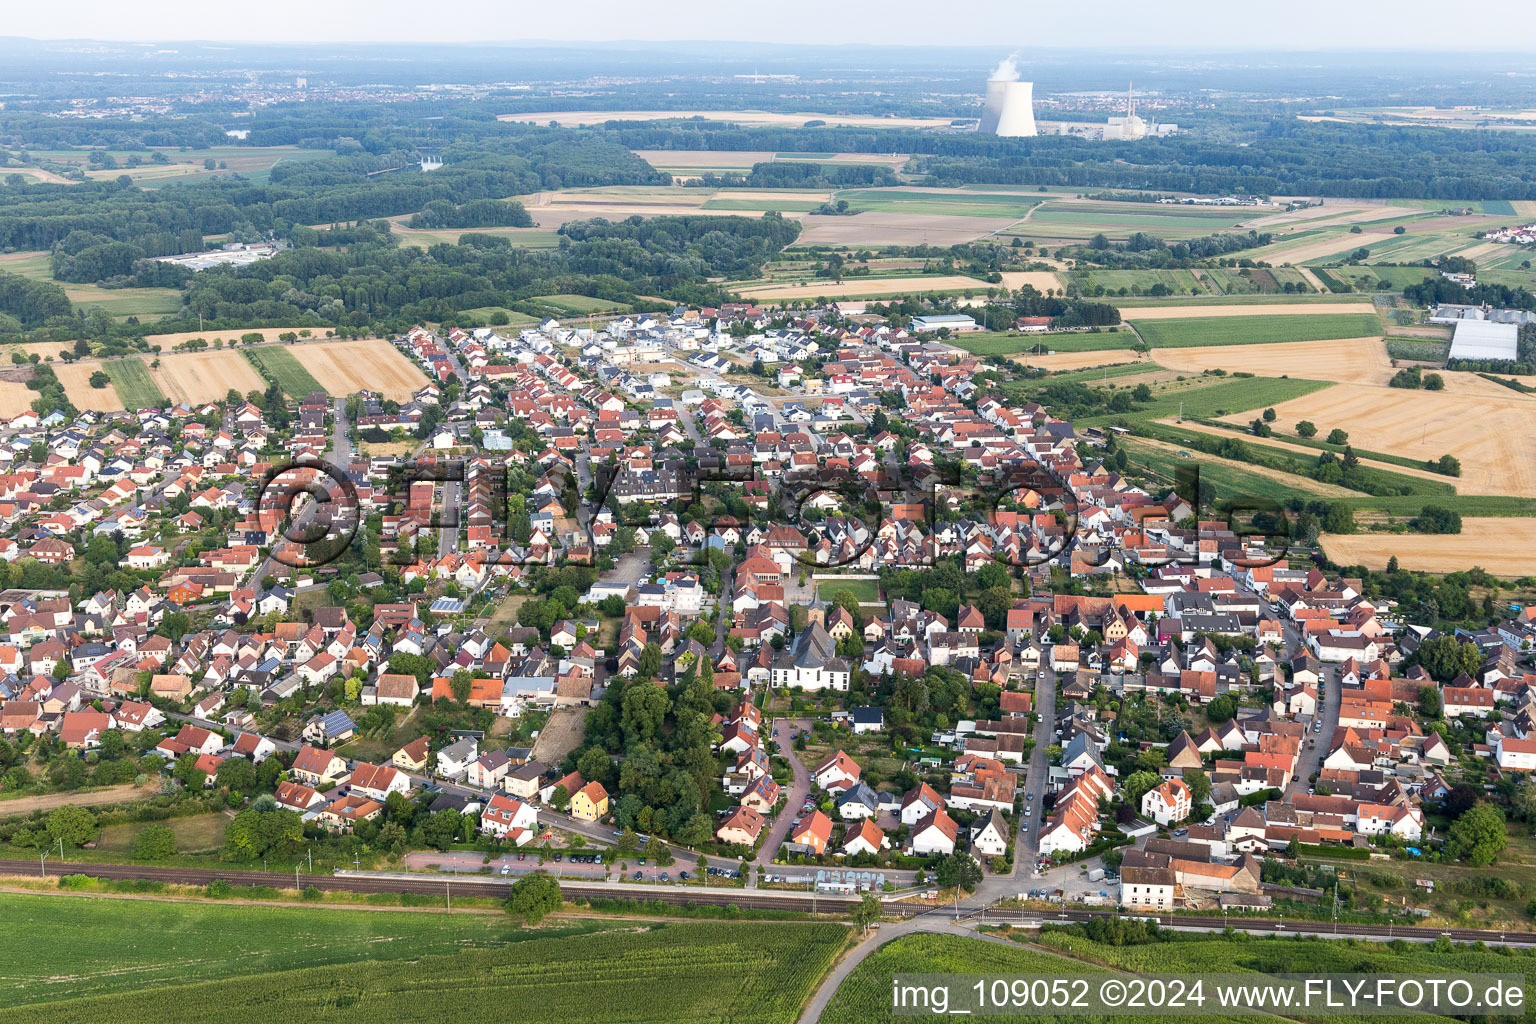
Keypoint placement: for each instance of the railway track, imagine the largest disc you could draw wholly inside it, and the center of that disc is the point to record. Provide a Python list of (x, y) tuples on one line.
[(494, 887)]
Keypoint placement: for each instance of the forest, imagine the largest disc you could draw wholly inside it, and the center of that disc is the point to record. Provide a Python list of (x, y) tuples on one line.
[(1285, 156), (374, 284), (98, 229)]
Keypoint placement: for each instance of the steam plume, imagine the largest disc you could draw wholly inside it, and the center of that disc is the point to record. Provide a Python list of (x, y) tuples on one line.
[(1007, 70)]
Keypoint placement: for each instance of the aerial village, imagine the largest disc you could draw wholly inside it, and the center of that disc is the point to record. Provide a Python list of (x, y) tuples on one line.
[(573, 614)]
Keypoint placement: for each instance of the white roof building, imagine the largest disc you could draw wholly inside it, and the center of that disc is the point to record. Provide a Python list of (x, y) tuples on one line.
[(1480, 339)]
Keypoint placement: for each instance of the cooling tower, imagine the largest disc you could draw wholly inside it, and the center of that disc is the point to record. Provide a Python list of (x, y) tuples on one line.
[(1017, 116), (992, 112)]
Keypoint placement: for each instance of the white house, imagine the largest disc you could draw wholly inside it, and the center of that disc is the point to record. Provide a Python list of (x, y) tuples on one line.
[(1147, 887), (1515, 754), (1399, 819), (504, 815), (990, 838), (1167, 803), (935, 834)]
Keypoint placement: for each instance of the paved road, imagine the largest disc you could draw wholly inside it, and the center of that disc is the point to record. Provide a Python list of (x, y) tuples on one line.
[(339, 455), (799, 788), (934, 921), (1028, 843), (1311, 757)]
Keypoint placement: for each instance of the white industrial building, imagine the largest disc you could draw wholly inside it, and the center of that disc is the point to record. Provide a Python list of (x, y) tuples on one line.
[(1480, 339)]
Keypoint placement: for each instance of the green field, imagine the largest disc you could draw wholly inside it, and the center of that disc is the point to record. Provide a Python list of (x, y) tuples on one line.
[(119, 945), (1257, 330), (199, 964), (1224, 396), (865, 591), (1370, 279), (496, 316), (865, 995), (1426, 350), (130, 377), (1258, 281), (120, 302), (580, 305), (1178, 282), (280, 366)]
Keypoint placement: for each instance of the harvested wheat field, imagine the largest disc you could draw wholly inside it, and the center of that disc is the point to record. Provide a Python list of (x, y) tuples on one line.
[(1039, 280), (1315, 249), (343, 367), (205, 376), (1504, 545), (895, 228), (229, 337), (1347, 360), (1083, 360), (1267, 309), (865, 286), (1495, 438), (15, 399), (75, 377)]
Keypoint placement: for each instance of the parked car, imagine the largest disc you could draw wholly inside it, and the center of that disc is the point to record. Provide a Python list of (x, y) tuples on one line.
[(683, 876)]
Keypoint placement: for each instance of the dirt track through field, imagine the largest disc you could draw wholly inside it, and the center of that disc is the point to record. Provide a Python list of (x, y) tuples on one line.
[(1267, 309), (48, 801), (1504, 545), (1301, 483), (1301, 449)]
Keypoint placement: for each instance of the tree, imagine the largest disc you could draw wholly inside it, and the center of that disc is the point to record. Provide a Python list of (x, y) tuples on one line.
[(1136, 786), (958, 869), (1437, 519), (867, 914), (1429, 702), (99, 380), (1434, 382), (237, 773), (533, 897), (263, 830), (1337, 436), (1306, 428), (1445, 657), (441, 828), (1221, 708), (1478, 836), (1199, 786), (154, 842), (1269, 415), (75, 825)]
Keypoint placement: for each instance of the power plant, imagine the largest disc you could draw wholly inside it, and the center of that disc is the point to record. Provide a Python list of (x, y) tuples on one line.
[(1010, 103)]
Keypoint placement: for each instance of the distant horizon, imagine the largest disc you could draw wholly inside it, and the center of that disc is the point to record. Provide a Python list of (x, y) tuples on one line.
[(1183, 26)]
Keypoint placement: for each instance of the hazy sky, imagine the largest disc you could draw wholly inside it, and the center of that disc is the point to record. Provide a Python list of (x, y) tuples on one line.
[(1171, 24)]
